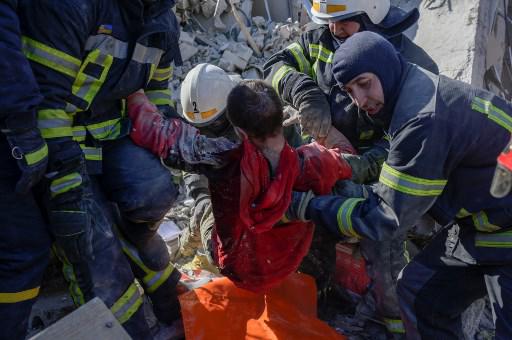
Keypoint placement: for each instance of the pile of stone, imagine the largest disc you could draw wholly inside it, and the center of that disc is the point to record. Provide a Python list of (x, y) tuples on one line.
[(211, 37)]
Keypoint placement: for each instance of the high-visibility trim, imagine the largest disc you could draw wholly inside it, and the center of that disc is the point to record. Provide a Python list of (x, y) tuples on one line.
[(147, 55), (314, 69), (107, 130), (481, 222), (127, 304), (19, 296), (65, 183), (85, 86), (298, 54), (395, 325), (364, 135), (162, 74), (92, 153), (280, 73), (107, 44), (69, 274), (54, 123), (50, 57), (344, 217), (387, 138), (319, 52), (492, 112), (494, 240), (37, 156), (154, 280), (411, 185), (463, 213), (79, 133), (328, 9), (159, 97), (133, 254)]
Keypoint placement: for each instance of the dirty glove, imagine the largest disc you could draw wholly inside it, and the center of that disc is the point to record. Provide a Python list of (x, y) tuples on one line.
[(31, 153), (337, 140), (298, 205), (315, 113), (70, 208)]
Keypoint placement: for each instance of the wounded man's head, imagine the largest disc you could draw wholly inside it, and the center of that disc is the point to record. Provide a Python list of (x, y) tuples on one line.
[(254, 107)]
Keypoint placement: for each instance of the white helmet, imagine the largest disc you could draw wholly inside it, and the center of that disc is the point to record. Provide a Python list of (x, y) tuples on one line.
[(325, 11), (204, 94)]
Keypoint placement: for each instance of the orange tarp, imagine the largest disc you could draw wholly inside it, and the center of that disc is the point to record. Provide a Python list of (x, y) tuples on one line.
[(220, 310)]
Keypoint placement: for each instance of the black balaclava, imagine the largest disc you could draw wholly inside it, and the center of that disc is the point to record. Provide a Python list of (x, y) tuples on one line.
[(369, 52)]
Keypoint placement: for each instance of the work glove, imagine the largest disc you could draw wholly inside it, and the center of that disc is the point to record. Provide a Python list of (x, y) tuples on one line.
[(71, 209), (299, 205), (314, 114), (180, 144), (31, 153)]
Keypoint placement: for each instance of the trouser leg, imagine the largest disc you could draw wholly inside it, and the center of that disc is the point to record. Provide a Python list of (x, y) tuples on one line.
[(108, 276), (384, 261), (24, 251), (320, 262), (437, 286), (143, 190)]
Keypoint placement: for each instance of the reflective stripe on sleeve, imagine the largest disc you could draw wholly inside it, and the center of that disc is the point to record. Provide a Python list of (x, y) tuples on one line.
[(19, 296), (280, 73), (37, 155), (492, 112), (344, 217), (127, 304), (494, 240), (54, 123), (298, 54), (411, 185), (159, 97)]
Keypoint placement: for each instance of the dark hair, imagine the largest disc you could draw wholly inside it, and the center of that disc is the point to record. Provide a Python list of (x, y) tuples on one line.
[(254, 106)]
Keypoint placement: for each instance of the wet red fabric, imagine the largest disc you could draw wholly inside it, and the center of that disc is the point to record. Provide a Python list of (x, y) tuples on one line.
[(251, 245), (264, 201)]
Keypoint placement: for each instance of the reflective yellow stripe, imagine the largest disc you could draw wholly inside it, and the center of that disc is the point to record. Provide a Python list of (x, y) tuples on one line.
[(107, 130), (492, 112), (92, 153), (314, 69), (366, 135), (319, 52), (85, 86), (280, 73), (155, 279), (160, 97), (69, 275), (54, 123), (494, 240), (19, 296), (133, 254), (481, 222), (411, 185), (79, 133), (463, 213), (65, 183), (37, 156), (395, 325), (127, 304), (344, 217), (298, 53), (50, 57), (161, 74)]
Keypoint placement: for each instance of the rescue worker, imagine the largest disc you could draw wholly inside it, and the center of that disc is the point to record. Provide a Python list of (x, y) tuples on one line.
[(87, 57), (445, 138), (250, 182), (24, 238), (302, 75)]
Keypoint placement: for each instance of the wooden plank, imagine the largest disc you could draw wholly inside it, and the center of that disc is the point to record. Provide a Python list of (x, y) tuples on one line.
[(92, 321)]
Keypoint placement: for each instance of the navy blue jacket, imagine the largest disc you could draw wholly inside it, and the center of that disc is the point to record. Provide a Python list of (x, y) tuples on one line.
[(19, 94), (88, 55), (445, 136)]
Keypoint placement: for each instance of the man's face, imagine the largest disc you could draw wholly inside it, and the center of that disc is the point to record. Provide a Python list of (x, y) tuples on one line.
[(366, 92), (344, 28)]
